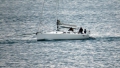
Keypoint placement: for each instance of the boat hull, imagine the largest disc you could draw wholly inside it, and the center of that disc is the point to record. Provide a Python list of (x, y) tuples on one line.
[(61, 36)]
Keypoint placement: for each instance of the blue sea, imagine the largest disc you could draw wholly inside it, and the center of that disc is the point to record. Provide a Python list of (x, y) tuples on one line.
[(21, 19)]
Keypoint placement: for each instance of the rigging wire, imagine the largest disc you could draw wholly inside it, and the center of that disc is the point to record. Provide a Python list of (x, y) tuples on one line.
[(42, 12), (41, 18)]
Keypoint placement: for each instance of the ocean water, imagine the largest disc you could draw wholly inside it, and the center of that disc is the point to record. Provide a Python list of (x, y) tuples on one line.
[(20, 19)]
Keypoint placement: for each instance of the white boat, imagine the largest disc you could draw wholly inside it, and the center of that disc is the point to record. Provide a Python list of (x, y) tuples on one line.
[(62, 35), (58, 35)]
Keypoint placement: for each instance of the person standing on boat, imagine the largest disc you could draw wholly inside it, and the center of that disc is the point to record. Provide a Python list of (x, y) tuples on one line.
[(85, 31), (81, 30)]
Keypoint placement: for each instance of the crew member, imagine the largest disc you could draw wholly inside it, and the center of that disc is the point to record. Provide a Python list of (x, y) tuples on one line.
[(81, 30), (85, 31), (71, 29)]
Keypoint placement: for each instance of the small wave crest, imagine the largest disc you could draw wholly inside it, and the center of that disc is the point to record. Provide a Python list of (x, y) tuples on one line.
[(13, 41)]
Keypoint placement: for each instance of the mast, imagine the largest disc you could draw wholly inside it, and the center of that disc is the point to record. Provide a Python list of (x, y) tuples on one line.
[(57, 8), (58, 24), (57, 14)]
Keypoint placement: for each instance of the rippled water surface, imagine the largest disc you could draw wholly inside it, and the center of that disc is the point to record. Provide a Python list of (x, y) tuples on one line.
[(20, 19)]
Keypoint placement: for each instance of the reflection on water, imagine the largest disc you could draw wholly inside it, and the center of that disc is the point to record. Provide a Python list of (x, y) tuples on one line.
[(19, 21)]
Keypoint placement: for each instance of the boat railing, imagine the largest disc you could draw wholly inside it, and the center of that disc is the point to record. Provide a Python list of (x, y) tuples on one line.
[(71, 32)]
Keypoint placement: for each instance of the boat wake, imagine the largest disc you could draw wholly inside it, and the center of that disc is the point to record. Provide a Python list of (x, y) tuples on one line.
[(14, 41), (105, 37)]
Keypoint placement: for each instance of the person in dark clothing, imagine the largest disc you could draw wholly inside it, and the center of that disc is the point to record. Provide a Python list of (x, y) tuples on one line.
[(80, 30), (71, 29), (85, 31), (58, 23)]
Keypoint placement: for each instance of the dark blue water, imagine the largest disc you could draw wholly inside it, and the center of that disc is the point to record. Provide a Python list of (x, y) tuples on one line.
[(20, 19)]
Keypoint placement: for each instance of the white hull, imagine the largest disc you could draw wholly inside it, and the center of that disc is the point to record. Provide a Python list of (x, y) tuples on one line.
[(61, 36)]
